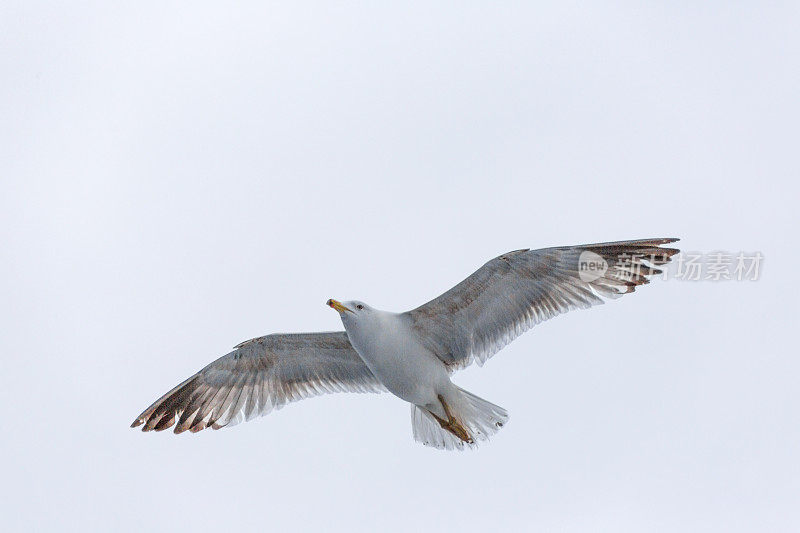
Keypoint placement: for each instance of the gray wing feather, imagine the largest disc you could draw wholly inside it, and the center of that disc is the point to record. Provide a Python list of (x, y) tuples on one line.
[(258, 376), (513, 292)]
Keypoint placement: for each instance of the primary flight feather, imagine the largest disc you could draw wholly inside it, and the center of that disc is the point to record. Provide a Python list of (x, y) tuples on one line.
[(412, 354)]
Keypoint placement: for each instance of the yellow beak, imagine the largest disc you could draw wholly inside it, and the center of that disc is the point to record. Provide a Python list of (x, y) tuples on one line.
[(338, 306)]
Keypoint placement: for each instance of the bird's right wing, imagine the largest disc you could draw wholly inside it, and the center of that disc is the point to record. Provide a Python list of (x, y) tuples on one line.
[(260, 375)]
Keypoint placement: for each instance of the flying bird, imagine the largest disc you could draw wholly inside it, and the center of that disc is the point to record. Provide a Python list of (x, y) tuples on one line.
[(412, 354)]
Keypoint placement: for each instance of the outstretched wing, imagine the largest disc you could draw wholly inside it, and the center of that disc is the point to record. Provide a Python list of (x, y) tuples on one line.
[(513, 292), (260, 375)]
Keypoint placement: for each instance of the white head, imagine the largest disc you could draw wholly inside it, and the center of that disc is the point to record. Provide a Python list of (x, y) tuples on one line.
[(353, 313)]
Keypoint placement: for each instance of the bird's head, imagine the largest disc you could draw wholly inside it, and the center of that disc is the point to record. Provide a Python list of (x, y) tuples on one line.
[(351, 312), (361, 321)]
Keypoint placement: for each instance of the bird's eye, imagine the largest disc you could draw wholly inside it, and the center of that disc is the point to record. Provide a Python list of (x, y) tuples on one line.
[(359, 306)]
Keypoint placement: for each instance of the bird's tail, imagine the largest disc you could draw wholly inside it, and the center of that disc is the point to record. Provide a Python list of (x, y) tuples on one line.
[(469, 420)]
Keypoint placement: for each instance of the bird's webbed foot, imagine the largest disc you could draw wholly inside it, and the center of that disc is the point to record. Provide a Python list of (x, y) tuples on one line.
[(452, 424)]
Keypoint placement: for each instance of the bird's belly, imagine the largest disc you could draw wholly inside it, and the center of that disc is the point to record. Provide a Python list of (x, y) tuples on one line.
[(412, 379), (414, 375)]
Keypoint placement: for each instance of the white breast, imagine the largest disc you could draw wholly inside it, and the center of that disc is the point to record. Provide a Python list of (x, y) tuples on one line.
[(394, 353)]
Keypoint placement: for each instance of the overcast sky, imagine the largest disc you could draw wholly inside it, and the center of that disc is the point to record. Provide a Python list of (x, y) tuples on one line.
[(179, 177)]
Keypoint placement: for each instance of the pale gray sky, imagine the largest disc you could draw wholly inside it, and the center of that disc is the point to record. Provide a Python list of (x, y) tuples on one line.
[(178, 177)]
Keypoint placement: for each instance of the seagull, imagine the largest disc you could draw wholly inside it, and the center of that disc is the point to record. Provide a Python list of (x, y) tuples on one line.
[(413, 354)]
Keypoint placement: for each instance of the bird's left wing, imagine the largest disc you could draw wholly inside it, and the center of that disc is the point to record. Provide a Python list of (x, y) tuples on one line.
[(260, 375), (511, 293)]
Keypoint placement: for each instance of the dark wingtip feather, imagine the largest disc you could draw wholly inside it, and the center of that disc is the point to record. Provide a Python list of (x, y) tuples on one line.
[(166, 421), (164, 411), (627, 260)]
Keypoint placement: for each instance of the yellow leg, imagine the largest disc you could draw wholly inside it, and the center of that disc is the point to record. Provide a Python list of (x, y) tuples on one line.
[(452, 424)]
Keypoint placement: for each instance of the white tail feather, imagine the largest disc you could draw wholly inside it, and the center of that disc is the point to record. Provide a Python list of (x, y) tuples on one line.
[(480, 418)]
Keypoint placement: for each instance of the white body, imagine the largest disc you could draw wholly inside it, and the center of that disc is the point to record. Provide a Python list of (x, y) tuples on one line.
[(394, 353), (442, 414)]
